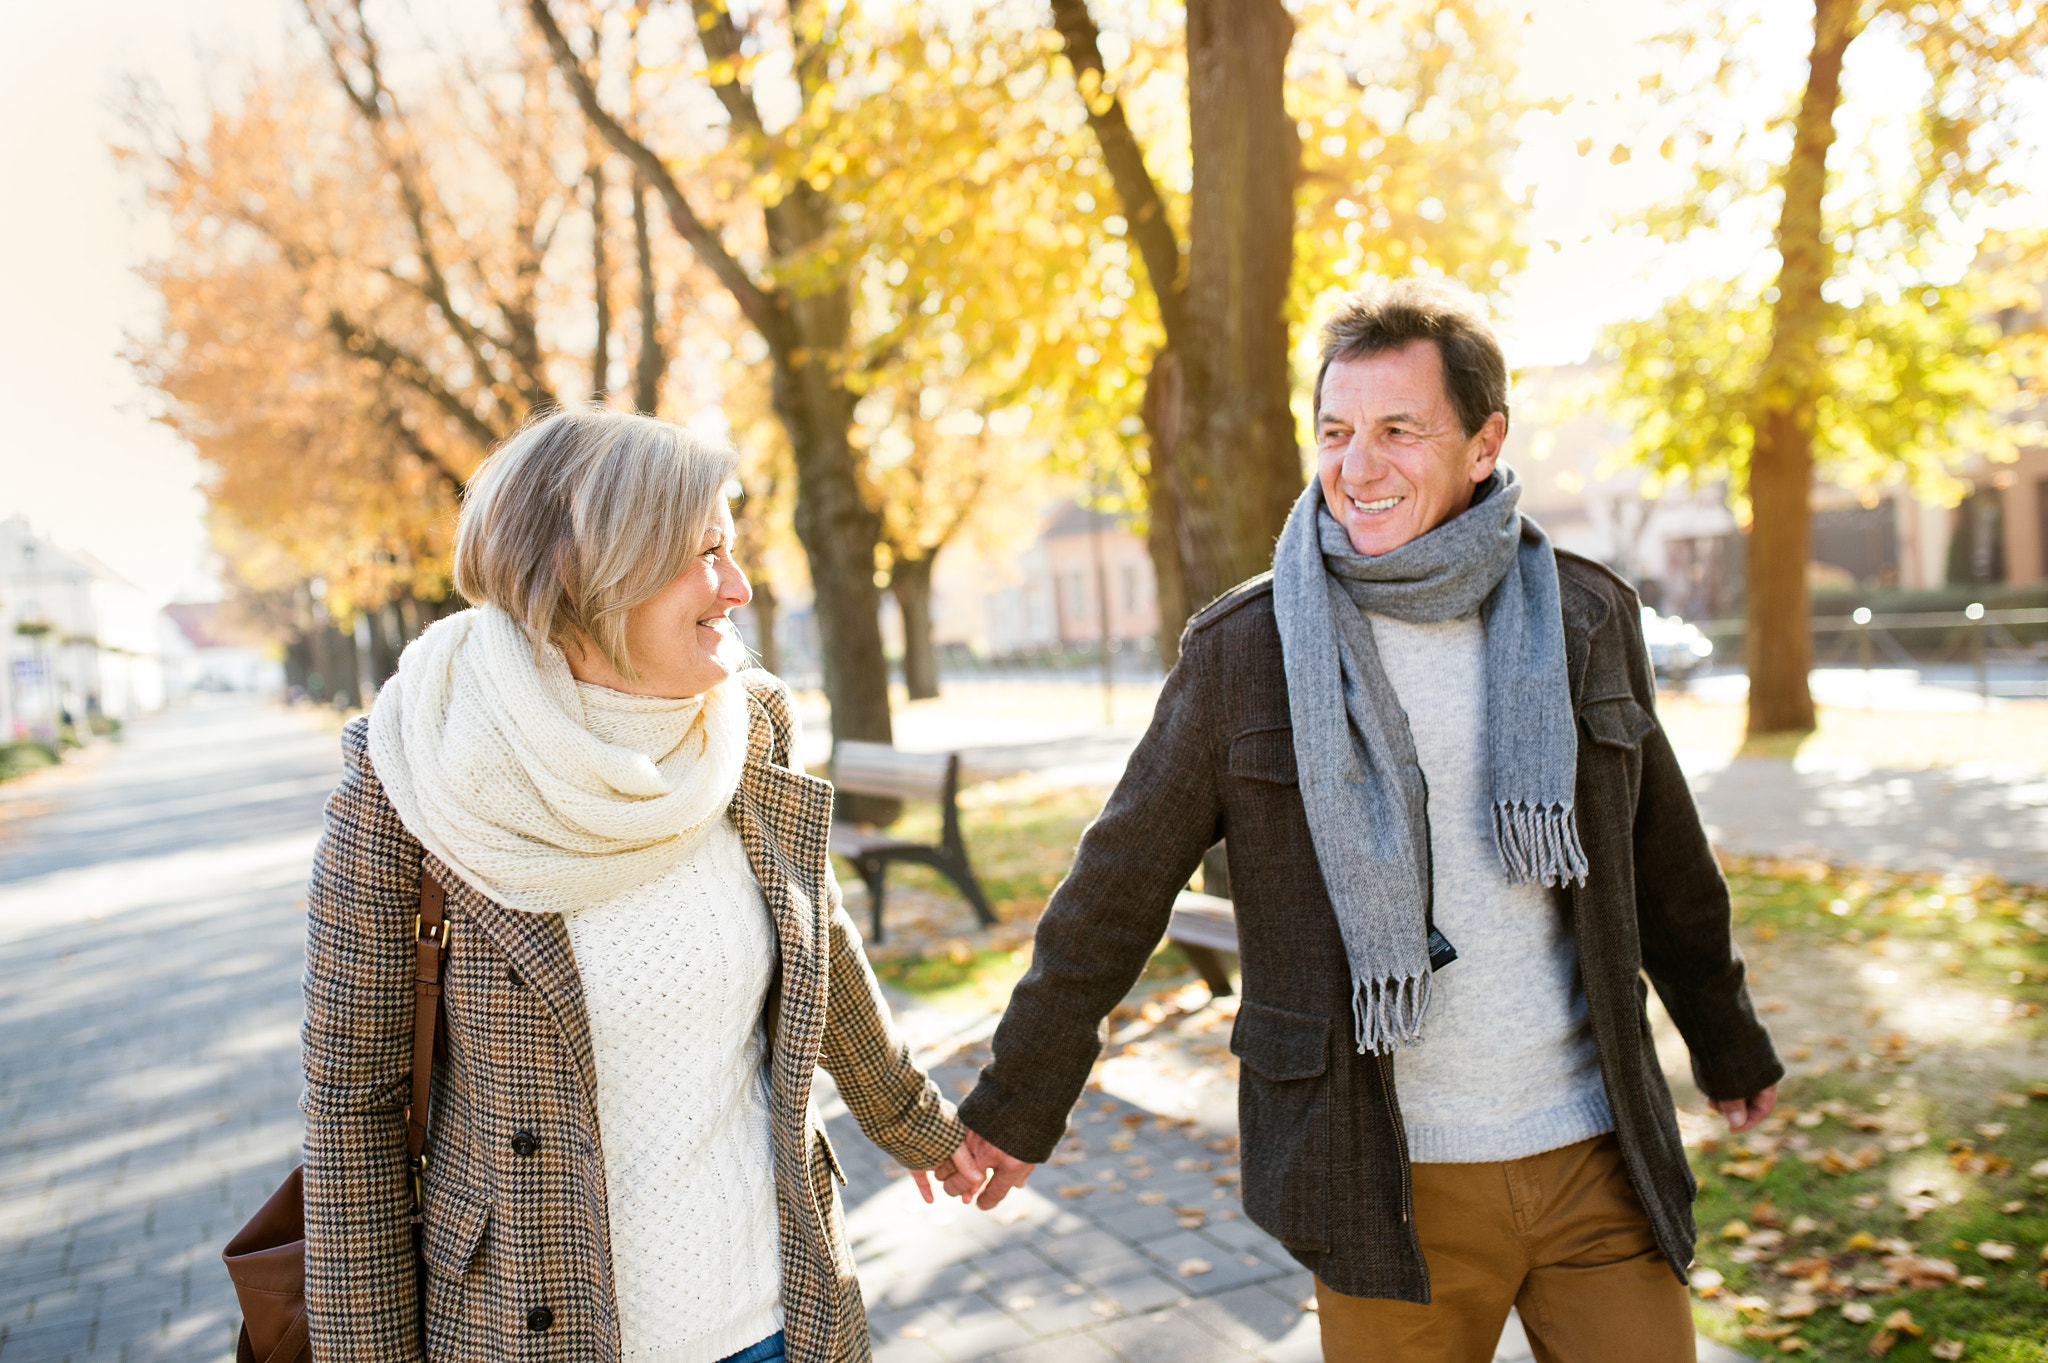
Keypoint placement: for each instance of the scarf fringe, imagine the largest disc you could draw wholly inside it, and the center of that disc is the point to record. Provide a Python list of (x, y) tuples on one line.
[(1539, 844), (1388, 1012)]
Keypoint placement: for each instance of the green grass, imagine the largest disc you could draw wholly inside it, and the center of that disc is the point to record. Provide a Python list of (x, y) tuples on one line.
[(1923, 1110), (25, 756)]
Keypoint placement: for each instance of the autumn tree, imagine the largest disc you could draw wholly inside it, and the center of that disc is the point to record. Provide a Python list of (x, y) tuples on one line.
[(1860, 355), (865, 189), (367, 288), (1390, 159)]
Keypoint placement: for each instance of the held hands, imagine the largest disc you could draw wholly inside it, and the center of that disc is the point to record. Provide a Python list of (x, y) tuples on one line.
[(1744, 1113), (977, 1172)]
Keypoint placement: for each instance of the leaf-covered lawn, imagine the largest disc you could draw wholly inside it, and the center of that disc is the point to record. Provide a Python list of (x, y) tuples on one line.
[(1896, 1204)]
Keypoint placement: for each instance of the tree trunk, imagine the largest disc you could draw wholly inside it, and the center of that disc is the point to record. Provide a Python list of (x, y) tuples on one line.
[(837, 528), (911, 584), (766, 610), (653, 360), (1778, 649), (1165, 393), (601, 285), (1238, 468)]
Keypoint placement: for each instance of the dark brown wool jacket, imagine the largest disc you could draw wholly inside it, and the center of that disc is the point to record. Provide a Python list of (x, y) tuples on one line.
[(518, 1246), (1325, 1162)]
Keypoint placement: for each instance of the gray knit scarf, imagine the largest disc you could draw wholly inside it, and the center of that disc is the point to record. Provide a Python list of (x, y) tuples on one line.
[(1363, 789)]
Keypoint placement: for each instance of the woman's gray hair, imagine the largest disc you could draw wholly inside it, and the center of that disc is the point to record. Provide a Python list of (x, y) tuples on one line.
[(1389, 315), (581, 515)]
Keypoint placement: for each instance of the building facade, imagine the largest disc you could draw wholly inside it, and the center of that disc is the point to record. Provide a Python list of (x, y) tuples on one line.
[(76, 639)]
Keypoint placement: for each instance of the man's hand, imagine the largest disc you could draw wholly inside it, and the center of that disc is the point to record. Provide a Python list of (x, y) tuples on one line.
[(980, 1173), (1744, 1113)]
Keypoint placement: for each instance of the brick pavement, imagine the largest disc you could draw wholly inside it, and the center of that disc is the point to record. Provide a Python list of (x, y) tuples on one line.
[(150, 949)]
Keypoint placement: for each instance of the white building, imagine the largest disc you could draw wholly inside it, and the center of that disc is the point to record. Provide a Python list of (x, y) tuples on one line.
[(204, 651), (76, 639)]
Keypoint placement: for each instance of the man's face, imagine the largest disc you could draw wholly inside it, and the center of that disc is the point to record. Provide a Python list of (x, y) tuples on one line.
[(1393, 460)]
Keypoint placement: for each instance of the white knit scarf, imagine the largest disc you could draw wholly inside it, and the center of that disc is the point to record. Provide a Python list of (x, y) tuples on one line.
[(542, 792)]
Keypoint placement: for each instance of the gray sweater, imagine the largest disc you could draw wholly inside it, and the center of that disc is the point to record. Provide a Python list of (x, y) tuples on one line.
[(1506, 1065)]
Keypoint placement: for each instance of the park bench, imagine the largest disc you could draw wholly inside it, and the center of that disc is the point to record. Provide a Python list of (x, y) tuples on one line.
[(880, 769), (1204, 927)]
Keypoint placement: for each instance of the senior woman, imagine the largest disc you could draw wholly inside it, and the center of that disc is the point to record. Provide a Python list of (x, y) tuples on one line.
[(647, 958)]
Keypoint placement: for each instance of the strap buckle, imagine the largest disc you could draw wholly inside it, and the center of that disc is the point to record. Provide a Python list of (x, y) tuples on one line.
[(440, 934)]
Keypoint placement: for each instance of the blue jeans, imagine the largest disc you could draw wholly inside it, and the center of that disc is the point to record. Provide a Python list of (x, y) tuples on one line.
[(768, 1350)]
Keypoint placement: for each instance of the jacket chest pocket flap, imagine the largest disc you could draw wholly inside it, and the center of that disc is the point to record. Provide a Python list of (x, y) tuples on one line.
[(456, 1217), (1281, 1045), (1264, 755), (1616, 721)]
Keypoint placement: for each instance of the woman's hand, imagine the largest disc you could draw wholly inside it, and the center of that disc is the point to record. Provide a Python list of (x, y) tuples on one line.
[(977, 1172), (952, 1172)]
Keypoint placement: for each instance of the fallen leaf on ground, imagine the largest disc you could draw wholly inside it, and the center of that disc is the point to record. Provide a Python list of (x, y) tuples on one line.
[(1706, 1281), (1881, 1343), (1997, 1250), (1754, 1170), (1916, 1271), (1970, 1283), (1901, 1319), (1190, 1268), (1803, 1225), (1151, 1197), (1858, 1312), (1991, 1131), (1077, 1190), (2014, 1207), (1948, 1348), (1862, 1239), (1798, 1307), (1735, 1230)]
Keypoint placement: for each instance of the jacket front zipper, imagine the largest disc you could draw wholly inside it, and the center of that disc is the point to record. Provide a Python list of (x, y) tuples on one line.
[(1400, 1137)]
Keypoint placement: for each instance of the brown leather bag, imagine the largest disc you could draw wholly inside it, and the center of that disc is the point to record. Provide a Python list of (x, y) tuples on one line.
[(267, 1257)]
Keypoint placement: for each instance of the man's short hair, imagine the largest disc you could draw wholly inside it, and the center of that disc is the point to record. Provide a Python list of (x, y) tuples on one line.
[(1390, 315)]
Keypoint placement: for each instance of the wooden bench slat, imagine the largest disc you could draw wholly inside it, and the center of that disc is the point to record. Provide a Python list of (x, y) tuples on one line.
[(1204, 920), (878, 769)]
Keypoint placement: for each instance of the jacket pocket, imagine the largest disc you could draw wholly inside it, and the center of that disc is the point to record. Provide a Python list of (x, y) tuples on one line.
[(1283, 1102), (831, 1155), (1616, 721), (456, 1219), (1264, 755)]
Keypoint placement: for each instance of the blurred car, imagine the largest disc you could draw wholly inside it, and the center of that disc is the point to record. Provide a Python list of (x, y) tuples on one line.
[(1677, 649)]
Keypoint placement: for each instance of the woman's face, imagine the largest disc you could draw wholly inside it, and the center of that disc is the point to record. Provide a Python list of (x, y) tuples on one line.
[(680, 640)]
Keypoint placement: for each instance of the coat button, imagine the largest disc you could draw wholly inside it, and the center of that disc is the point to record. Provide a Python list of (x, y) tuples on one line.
[(523, 1145), (540, 1318)]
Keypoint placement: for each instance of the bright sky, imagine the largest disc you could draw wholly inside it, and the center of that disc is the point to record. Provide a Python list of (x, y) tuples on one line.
[(80, 457)]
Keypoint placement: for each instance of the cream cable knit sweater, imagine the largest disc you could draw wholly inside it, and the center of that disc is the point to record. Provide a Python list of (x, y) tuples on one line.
[(675, 973)]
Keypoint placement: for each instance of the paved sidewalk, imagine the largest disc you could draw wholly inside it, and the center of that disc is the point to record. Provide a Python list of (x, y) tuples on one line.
[(150, 950)]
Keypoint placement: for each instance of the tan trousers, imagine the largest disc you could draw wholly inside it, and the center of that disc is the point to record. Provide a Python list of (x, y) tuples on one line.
[(1561, 1236)]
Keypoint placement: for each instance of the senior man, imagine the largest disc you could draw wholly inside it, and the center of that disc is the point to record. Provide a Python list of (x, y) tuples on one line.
[(1458, 839)]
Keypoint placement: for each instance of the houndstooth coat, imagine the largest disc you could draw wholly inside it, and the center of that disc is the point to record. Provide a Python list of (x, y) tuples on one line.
[(517, 1248)]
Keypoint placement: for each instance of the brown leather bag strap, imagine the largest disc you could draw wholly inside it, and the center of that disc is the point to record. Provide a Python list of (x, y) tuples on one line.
[(430, 964)]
